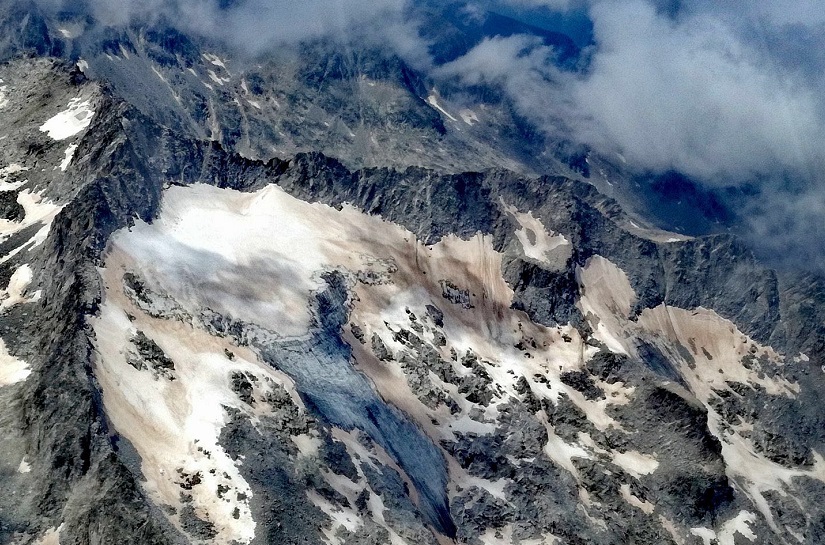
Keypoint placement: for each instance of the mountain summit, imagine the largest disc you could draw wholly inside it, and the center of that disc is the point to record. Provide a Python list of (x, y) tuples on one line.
[(317, 293)]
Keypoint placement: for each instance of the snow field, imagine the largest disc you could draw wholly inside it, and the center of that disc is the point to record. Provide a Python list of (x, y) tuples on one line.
[(71, 121)]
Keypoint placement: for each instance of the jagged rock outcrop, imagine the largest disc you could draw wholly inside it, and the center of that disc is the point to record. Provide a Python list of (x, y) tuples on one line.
[(520, 397)]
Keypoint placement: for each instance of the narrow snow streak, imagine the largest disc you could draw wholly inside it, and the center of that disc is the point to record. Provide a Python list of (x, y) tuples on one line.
[(432, 100), (67, 159)]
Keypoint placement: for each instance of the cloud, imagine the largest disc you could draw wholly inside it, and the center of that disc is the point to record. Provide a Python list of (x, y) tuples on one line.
[(256, 25), (727, 93), (691, 95), (686, 94)]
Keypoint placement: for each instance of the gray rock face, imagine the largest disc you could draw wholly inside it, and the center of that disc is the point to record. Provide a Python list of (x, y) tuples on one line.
[(618, 448)]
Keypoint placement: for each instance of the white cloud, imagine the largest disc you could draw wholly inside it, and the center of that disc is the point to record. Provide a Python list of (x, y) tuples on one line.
[(254, 25), (686, 93), (690, 95)]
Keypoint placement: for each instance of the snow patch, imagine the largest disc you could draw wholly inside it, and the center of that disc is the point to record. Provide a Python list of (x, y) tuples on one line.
[(215, 60), (71, 121), (432, 100), (468, 116), (12, 370), (550, 249), (4, 101), (635, 463), (24, 466), (740, 524), (707, 535), (308, 445), (217, 79), (51, 537), (35, 210), (7, 171), (670, 527), (563, 453), (606, 301), (68, 155), (341, 517), (712, 355), (645, 506), (14, 293), (717, 349), (175, 424)]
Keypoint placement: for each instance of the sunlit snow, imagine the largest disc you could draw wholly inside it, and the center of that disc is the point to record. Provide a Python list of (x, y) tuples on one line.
[(67, 159), (71, 121), (12, 370)]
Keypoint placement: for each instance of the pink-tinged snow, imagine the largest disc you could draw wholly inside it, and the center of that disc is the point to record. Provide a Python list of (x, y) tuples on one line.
[(717, 348), (50, 537), (258, 257)]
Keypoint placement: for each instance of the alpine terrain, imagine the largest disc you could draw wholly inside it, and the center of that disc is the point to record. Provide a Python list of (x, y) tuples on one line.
[(321, 292)]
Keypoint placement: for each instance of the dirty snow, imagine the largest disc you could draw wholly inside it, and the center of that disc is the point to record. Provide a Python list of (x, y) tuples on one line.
[(12, 370), (175, 425), (717, 348), (635, 463), (205, 249), (740, 524), (468, 116), (51, 537), (71, 121), (563, 453), (607, 296), (630, 498), (4, 101), (713, 354)]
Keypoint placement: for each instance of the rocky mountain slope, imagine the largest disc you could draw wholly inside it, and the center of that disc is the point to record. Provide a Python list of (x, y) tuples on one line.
[(216, 332)]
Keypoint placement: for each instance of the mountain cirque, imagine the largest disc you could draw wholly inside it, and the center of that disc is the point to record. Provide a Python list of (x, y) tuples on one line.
[(203, 347)]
